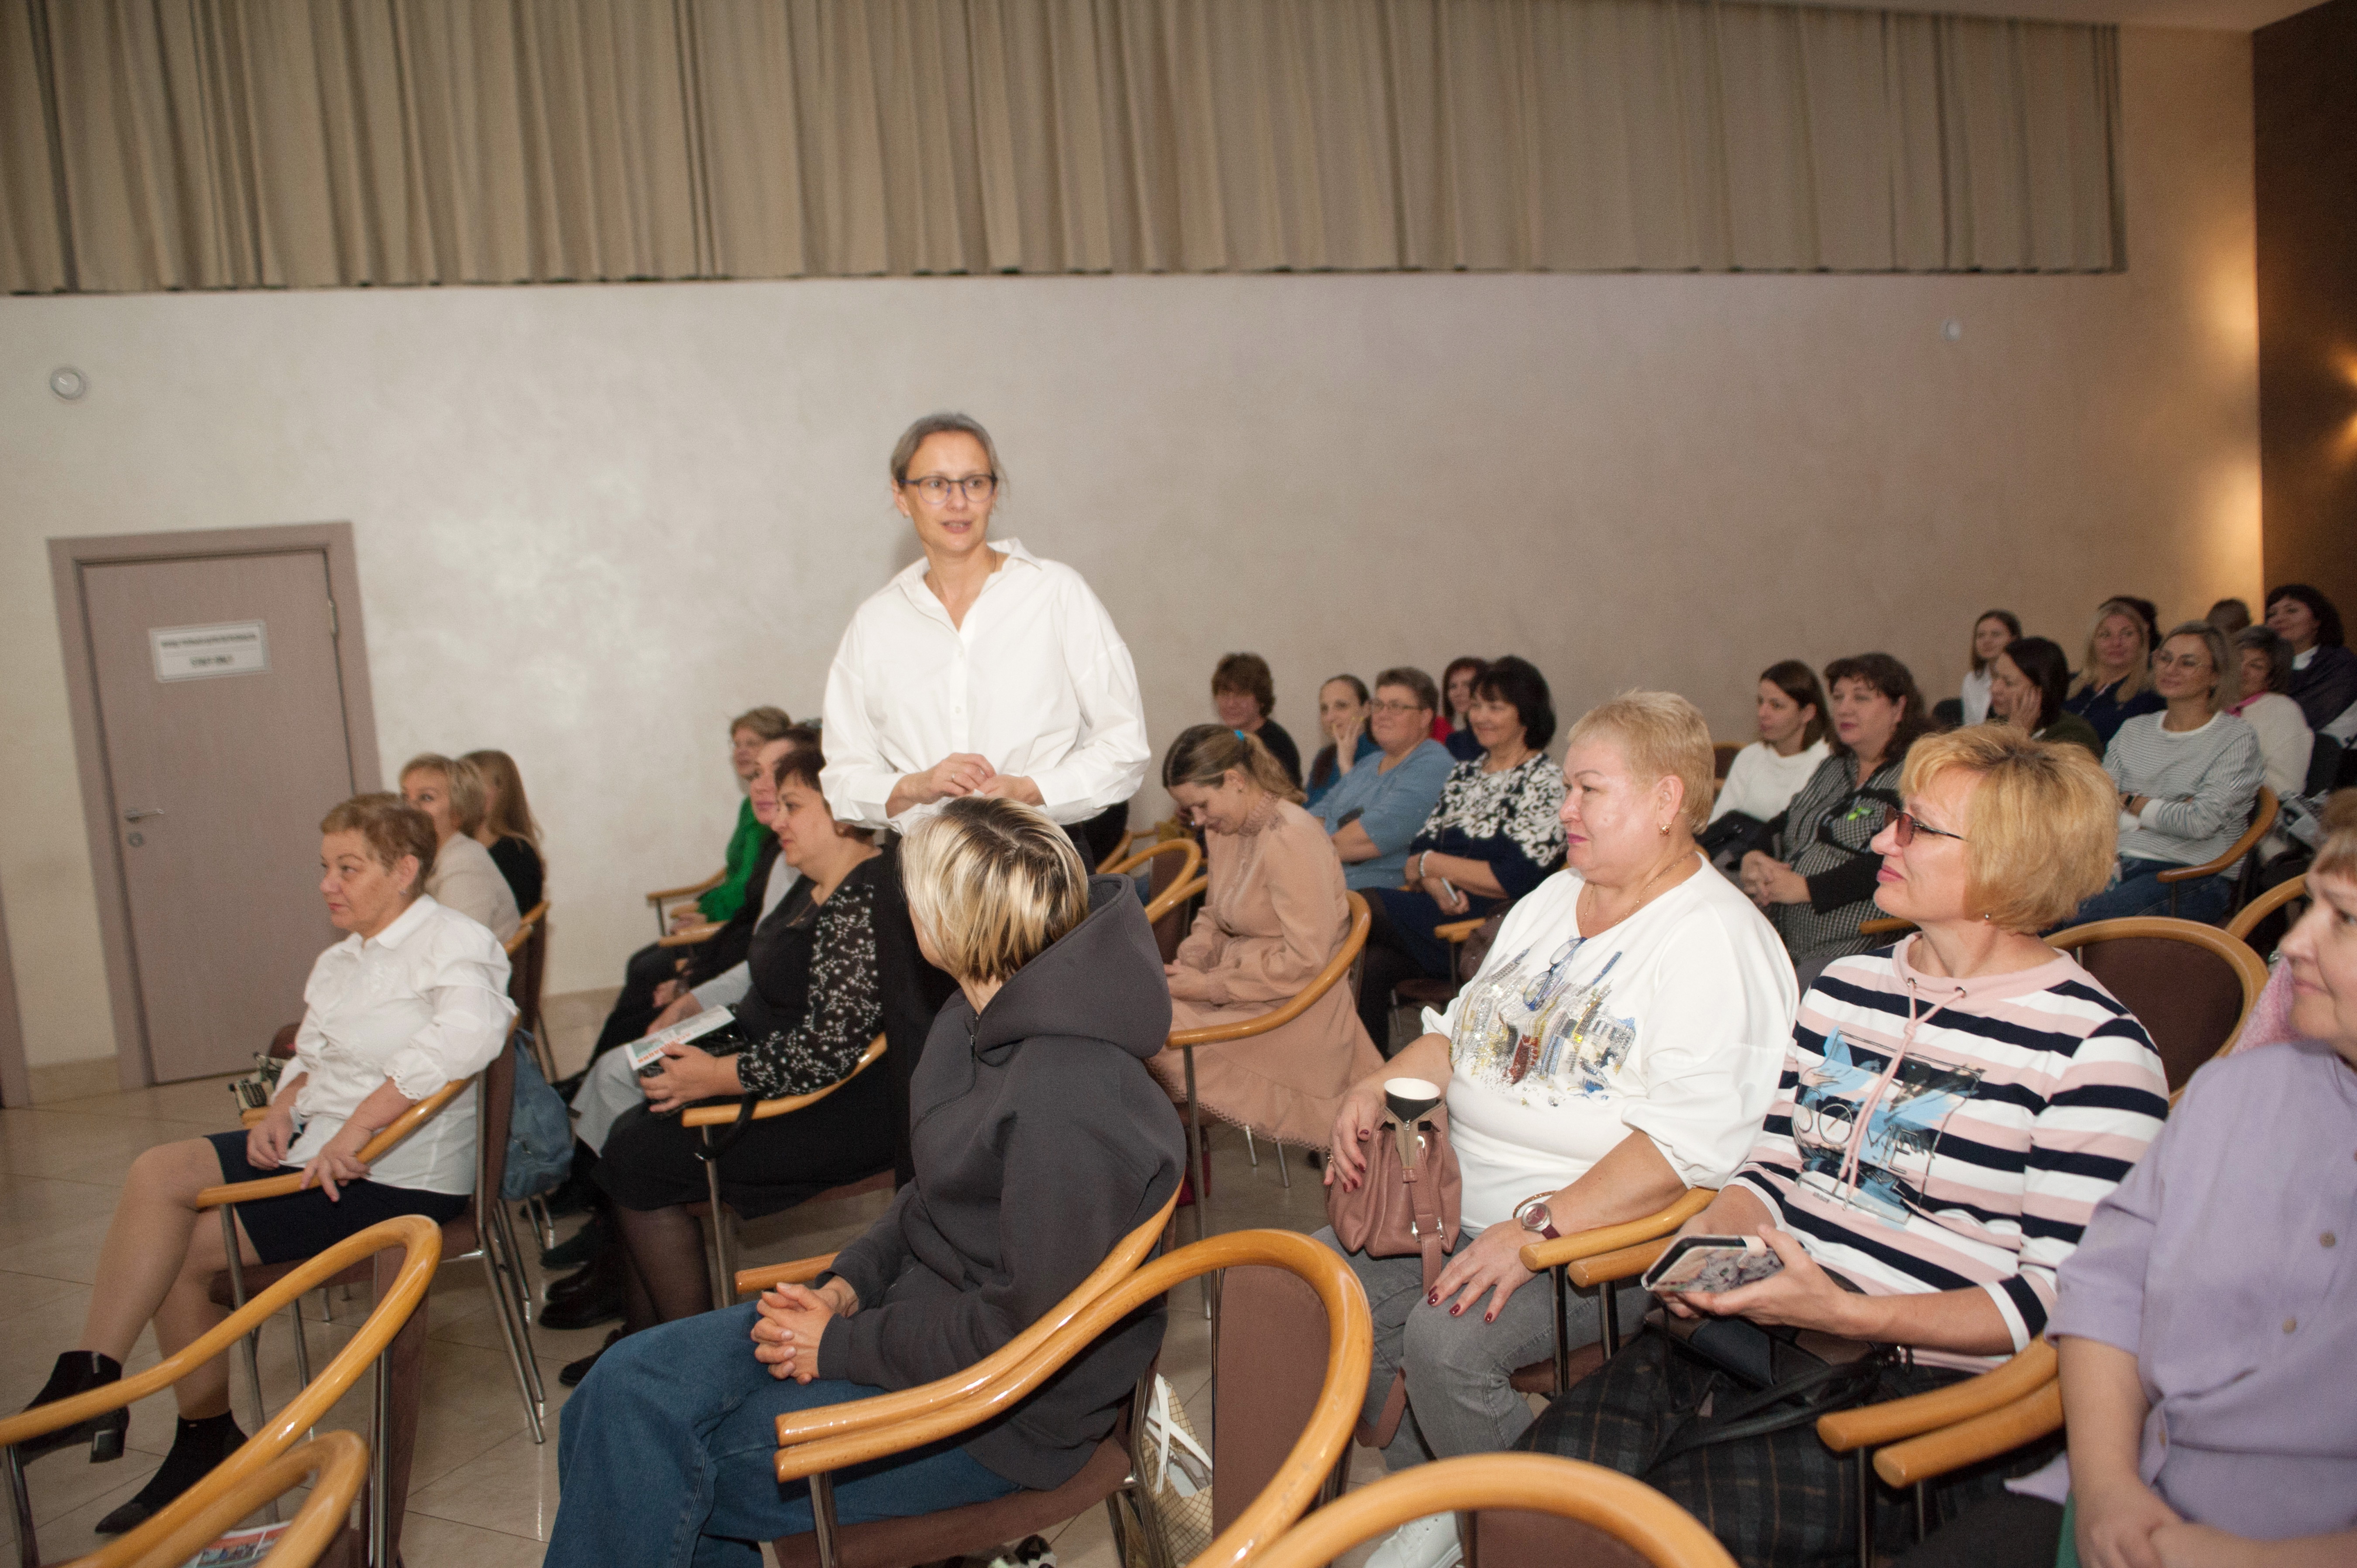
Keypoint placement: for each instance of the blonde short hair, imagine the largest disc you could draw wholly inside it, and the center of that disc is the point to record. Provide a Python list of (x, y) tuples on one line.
[(2041, 830), (1663, 735), (461, 782), (994, 882)]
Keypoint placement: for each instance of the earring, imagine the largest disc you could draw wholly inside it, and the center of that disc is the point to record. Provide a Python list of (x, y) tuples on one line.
[(1665, 827)]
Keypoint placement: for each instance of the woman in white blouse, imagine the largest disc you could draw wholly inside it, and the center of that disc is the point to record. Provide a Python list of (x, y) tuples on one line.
[(1990, 634), (1620, 1044), (980, 669), (1766, 775), (414, 997), (464, 877)]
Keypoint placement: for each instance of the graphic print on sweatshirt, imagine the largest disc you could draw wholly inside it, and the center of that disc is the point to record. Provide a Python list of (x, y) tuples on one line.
[(1532, 1033), (1903, 1126)]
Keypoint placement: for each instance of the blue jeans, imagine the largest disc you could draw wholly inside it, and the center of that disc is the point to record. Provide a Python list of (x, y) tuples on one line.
[(665, 1456), (2140, 891)]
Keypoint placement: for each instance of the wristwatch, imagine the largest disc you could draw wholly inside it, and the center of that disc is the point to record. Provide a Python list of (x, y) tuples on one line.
[(1531, 1215)]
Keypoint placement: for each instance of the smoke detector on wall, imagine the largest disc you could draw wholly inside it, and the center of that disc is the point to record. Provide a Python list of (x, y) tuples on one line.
[(69, 384)]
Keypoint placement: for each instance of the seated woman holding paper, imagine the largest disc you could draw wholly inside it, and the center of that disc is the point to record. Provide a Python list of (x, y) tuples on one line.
[(812, 1007), (1618, 1045), (1952, 1110), (415, 998), (1274, 916), (1040, 1140)]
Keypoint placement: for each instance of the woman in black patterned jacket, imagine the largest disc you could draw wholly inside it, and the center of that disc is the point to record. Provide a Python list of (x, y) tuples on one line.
[(814, 1007)]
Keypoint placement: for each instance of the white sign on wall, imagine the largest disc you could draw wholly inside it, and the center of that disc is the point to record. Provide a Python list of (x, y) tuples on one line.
[(198, 652)]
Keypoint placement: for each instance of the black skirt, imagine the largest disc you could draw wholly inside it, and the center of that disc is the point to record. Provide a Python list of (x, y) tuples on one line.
[(304, 1224), (649, 1160)]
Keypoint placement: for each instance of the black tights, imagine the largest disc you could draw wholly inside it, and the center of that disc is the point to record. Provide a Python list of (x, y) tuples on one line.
[(664, 1277), (1385, 964)]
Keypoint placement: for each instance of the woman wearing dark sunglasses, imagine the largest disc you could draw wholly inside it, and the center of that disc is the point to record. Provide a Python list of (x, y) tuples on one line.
[(1952, 1110)]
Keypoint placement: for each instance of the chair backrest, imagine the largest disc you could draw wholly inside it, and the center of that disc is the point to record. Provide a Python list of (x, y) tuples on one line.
[(1169, 870), (2253, 913), (2190, 985), (1475, 949), (2323, 766), (1722, 757), (1596, 1517), (528, 964), (494, 1113)]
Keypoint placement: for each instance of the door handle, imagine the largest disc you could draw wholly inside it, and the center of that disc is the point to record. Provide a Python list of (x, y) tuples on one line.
[(138, 813)]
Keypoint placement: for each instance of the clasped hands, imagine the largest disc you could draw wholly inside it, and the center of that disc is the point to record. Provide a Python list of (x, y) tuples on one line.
[(1766, 880), (268, 1143), (966, 773), (792, 1320)]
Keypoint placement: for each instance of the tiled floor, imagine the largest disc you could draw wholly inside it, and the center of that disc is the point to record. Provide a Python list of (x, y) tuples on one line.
[(481, 1492)]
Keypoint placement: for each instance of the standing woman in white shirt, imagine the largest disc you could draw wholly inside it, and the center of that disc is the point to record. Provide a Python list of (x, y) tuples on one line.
[(1765, 776), (1990, 634), (980, 669), (415, 997)]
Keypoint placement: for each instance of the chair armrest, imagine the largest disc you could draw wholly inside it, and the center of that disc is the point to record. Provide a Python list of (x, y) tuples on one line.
[(1612, 1268), (2263, 817), (688, 936), (1191, 856), (693, 888), (375, 1149), (420, 1240), (2000, 1431), (1170, 897), (801, 1271), (2246, 919), (334, 1465), (722, 1115), (1261, 1024), (837, 1423), (1885, 926), (1455, 931), (1540, 1256), (1870, 1426), (252, 1115)]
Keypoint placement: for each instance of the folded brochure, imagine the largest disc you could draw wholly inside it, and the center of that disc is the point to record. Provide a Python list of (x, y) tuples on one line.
[(240, 1548), (645, 1052)]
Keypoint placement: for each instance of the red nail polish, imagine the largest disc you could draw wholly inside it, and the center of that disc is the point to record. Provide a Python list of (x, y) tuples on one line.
[(1432, 1300), (1456, 1312)]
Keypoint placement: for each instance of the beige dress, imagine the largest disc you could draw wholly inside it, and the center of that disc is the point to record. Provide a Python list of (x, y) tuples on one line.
[(1273, 918)]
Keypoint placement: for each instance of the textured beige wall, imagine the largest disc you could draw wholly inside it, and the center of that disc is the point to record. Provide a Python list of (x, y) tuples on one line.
[(593, 522)]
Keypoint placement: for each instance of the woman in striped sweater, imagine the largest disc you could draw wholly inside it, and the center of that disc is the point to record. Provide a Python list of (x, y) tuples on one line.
[(1952, 1110)]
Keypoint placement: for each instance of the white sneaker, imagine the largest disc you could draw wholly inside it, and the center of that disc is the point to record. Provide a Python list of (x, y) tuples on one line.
[(1426, 1543)]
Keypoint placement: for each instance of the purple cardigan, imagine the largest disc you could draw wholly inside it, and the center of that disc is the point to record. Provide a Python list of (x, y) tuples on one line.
[(2227, 1263)]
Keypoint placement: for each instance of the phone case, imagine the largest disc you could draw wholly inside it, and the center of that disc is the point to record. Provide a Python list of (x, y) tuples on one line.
[(1709, 1264)]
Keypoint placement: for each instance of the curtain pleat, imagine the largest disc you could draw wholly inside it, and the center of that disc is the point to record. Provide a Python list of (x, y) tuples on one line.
[(243, 144)]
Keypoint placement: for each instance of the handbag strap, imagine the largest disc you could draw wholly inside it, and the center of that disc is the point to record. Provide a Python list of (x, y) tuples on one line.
[(729, 1139), (1798, 1401)]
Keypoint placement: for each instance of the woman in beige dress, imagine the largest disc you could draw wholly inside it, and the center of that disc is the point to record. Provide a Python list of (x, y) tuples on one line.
[(1273, 918)]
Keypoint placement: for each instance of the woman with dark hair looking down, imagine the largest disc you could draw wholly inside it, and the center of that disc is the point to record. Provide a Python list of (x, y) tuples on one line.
[(2028, 684)]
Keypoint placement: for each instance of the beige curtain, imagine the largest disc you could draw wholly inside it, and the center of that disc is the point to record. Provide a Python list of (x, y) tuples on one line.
[(240, 144)]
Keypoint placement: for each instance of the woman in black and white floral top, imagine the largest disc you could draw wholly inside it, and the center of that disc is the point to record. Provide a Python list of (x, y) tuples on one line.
[(1494, 834), (814, 1007)]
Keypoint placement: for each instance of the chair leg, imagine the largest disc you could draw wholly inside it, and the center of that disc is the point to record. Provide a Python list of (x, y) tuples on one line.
[(1866, 1508), (1923, 1491), (1559, 1279), (28, 1551), (1608, 1305), (379, 1501), (252, 1345), (723, 1273), (302, 1353), (511, 1261), (822, 1491), (1283, 1175), (505, 1306), (1252, 1150), (1195, 1154)]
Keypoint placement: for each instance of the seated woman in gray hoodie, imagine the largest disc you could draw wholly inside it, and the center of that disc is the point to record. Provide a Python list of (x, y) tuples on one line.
[(1039, 1139)]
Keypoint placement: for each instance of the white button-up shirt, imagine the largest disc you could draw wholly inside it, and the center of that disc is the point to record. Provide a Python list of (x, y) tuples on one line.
[(1037, 680), (423, 1002)]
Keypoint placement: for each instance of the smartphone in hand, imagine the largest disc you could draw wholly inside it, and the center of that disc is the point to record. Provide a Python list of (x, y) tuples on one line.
[(1707, 1265)]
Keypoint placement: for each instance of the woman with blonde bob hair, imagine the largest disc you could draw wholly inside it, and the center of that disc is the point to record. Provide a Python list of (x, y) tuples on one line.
[(1618, 1046), (464, 877), (1274, 916), (1039, 1139), (1952, 1110)]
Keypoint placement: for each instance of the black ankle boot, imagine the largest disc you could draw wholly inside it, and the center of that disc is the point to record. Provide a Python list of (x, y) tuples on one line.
[(79, 1372), (197, 1447)]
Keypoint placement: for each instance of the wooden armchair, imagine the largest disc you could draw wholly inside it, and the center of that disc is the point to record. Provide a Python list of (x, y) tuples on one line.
[(2249, 916), (1926, 1436), (1173, 880), (392, 1338), (1185, 1041), (2263, 818), (484, 1234), (814, 1444), (1503, 1493), (707, 1119), (1598, 1259), (2190, 985), (1465, 956), (332, 1466), (663, 898), (527, 953)]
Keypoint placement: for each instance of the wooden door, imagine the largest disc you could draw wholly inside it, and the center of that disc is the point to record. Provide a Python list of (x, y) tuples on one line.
[(222, 718)]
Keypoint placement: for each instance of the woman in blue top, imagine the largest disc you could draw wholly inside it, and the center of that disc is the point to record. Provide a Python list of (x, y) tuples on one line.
[(2115, 685), (1494, 835)]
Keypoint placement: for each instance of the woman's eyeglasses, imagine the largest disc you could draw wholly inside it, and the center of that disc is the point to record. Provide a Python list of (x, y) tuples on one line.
[(974, 487), (1904, 826)]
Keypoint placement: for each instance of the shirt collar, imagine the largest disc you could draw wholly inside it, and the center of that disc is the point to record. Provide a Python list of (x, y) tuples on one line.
[(911, 579), (393, 936)]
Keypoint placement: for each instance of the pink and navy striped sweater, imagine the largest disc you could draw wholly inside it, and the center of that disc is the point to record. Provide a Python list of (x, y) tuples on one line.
[(1935, 1134)]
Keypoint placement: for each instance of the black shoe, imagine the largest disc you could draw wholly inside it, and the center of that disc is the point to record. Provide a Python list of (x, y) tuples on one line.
[(574, 1371), (583, 1245), (197, 1447), (597, 1274), (598, 1300), (79, 1372)]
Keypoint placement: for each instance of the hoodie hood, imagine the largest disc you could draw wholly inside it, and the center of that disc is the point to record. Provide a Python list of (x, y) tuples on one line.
[(1101, 980)]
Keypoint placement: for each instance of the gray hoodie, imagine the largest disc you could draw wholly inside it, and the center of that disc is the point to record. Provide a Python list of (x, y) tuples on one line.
[(1040, 1140)]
